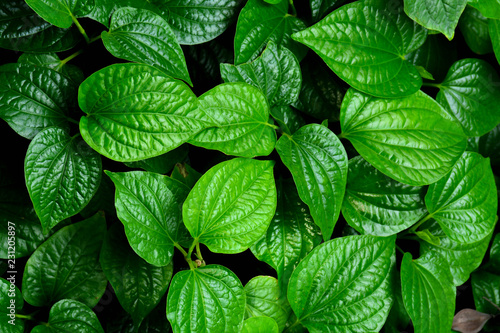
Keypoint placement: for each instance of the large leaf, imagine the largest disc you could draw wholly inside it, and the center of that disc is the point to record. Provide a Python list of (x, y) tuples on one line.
[(412, 140), (260, 324), (135, 112), (241, 114), (428, 293), (375, 204), (143, 36), (208, 299), (61, 13), (474, 27), (67, 266), (62, 174), (11, 303), (365, 42), (149, 206), (344, 285), (138, 285), (232, 204), (471, 92), (33, 98), (464, 201), (260, 23), (318, 163)]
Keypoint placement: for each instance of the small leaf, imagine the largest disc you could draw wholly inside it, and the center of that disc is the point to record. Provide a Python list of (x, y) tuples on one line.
[(427, 236), (260, 325), (474, 28), (470, 321), (287, 118), (163, 163), (61, 13), (185, 174), (424, 73), (11, 303)]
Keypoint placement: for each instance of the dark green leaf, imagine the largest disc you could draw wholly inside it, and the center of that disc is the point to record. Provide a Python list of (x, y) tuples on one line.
[(104, 8), (398, 318), (26, 232), (52, 61), (487, 145), (11, 303), (412, 140), (61, 13), (185, 174), (287, 118), (494, 29), (208, 299), (67, 266), (494, 262), (104, 199), (485, 284), (163, 163), (319, 8), (474, 27), (260, 325)]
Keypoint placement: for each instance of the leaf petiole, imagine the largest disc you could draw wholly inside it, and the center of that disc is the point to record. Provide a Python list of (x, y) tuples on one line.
[(80, 28), (65, 60)]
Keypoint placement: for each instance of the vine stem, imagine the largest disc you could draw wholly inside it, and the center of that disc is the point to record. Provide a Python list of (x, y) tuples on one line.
[(419, 223), (184, 253), (435, 85), (65, 60), (27, 317), (198, 252), (80, 28), (96, 38), (190, 252)]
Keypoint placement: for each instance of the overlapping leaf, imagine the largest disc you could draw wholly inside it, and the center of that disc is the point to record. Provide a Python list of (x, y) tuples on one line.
[(185, 174), (103, 9), (28, 235), (52, 61), (287, 118), (61, 13), (487, 145), (162, 163), (474, 27), (11, 303), (319, 8), (489, 8), (260, 325)]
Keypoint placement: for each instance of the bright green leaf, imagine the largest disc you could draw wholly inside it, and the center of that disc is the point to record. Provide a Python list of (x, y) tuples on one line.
[(474, 27), (488, 8), (260, 325), (11, 303), (427, 236), (287, 118), (61, 13)]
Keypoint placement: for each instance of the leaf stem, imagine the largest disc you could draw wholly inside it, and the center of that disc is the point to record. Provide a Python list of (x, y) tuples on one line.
[(65, 60), (80, 28), (27, 317), (94, 39), (190, 252), (184, 253), (435, 85), (419, 223), (400, 249), (198, 252), (294, 11), (496, 306), (341, 135)]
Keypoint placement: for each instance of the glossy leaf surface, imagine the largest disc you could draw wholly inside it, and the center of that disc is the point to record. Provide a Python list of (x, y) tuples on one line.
[(162, 163), (487, 145), (28, 234), (474, 27), (260, 325), (61, 13), (11, 303), (52, 61), (494, 29), (287, 118), (485, 284)]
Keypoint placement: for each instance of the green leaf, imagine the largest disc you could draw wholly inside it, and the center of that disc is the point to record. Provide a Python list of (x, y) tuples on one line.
[(240, 113), (494, 262), (232, 204), (143, 36), (198, 21), (28, 235), (52, 61), (424, 73), (102, 200), (61, 13), (488, 8), (428, 293), (62, 174), (398, 318), (276, 72), (149, 206), (464, 201), (104, 8), (494, 29), (344, 285), (291, 235), (185, 174), (412, 140), (364, 43), (485, 284), (377, 205), (70, 316), (67, 266), (163, 163), (427, 236), (33, 98), (439, 15), (264, 298), (138, 285), (11, 303), (287, 118), (471, 91), (260, 23), (318, 163), (487, 145), (260, 325), (319, 8), (208, 299), (474, 28), (136, 112)]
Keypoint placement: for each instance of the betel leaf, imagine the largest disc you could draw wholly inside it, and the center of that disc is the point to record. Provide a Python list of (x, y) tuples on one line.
[(319, 8), (149, 206), (287, 118), (318, 163), (344, 285), (232, 204), (494, 29), (439, 15), (198, 21), (61, 13), (28, 235), (136, 112), (103, 9), (33, 98), (260, 23), (471, 92), (240, 113), (207, 299), (62, 174), (487, 145), (67, 265), (377, 205), (185, 174), (138, 285), (488, 8), (70, 316), (276, 72), (11, 303), (428, 293), (464, 201), (474, 28), (412, 140), (485, 284), (143, 36), (264, 298), (52, 61), (494, 262), (162, 163), (365, 42), (398, 318), (260, 325)]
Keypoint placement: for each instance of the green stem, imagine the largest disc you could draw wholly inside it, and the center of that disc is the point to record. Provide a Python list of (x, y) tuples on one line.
[(341, 136), (400, 249), (198, 252), (27, 317), (71, 120), (190, 253), (419, 223), (65, 60), (184, 253), (96, 38), (435, 85), (80, 28), (294, 11)]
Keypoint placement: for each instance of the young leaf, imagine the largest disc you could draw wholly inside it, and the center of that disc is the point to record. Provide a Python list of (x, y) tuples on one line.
[(52, 61), (143, 36), (136, 112), (428, 293), (11, 303), (67, 266), (149, 206), (474, 27), (163, 163), (61, 13), (412, 140), (464, 201), (232, 204), (260, 325), (377, 205), (240, 113), (207, 299), (364, 43), (287, 118), (344, 285)]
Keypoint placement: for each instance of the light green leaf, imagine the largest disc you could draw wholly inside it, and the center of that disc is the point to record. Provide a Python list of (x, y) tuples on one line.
[(464, 201), (240, 113), (260, 325), (474, 28), (185, 174), (365, 42), (149, 206), (424, 73), (344, 285), (318, 163), (67, 266), (11, 303), (377, 205), (143, 36), (162, 163), (412, 140), (489, 8), (427, 236), (61, 13), (287, 118), (232, 204), (52, 61), (136, 112), (208, 299), (260, 23)]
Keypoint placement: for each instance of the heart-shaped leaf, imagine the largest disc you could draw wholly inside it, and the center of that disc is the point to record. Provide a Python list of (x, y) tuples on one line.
[(61, 13)]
